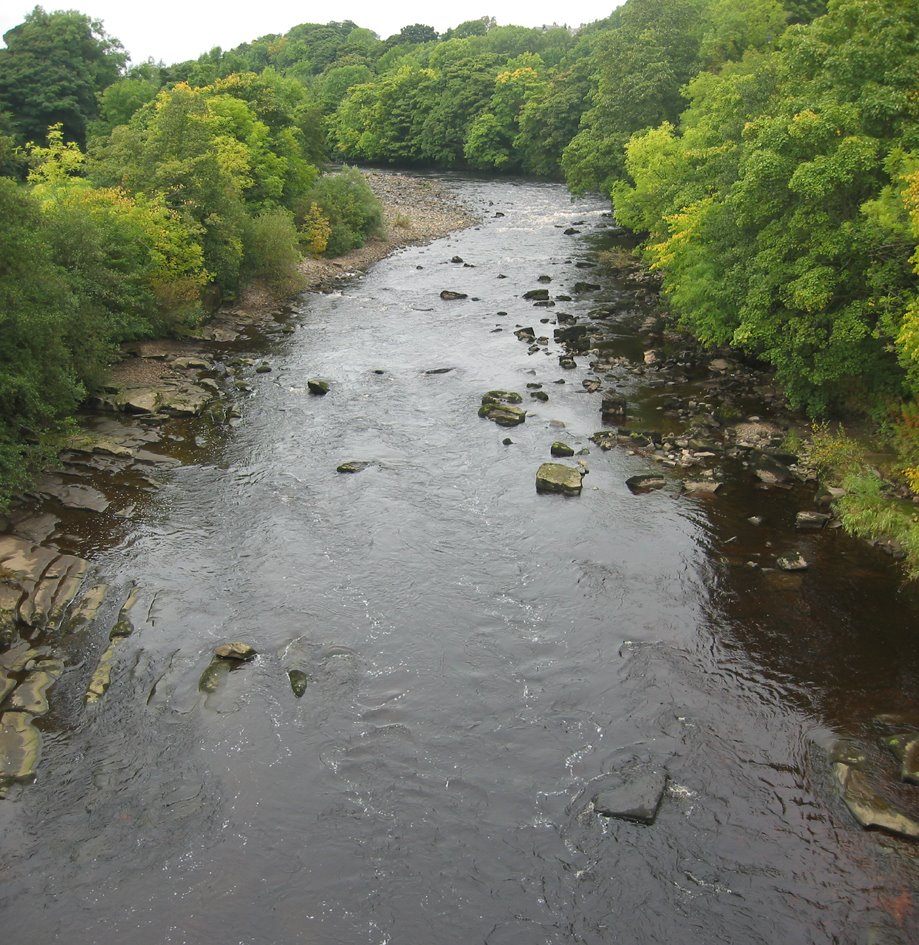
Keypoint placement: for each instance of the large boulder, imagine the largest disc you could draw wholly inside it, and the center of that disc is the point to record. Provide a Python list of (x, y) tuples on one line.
[(559, 478)]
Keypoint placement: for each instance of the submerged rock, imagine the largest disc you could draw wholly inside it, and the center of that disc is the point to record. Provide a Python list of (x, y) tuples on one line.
[(20, 747), (558, 478), (613, 407), (792, 562), (214, 674), (102, 676), (869, 808), (811, 519), (910, 769), (354, 466), (639, 485), (638, 798), (701, 486)]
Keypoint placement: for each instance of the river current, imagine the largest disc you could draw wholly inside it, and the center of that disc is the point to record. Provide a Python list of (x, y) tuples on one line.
[(479, 658)]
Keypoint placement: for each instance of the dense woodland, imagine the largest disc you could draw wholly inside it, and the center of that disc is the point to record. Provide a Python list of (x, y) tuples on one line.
[(767, 152)]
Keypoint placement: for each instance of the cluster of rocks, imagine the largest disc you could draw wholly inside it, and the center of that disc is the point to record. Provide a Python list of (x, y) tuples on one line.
[(42, 595), (228, 657), (700, 398)]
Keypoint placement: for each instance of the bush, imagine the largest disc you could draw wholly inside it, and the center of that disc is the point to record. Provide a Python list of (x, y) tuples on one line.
[(350, 206), (271, 255), (315, 231)]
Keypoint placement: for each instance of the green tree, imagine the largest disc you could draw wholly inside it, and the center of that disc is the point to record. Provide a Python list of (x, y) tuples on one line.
[(38, 387), (641, 67), (52, 69), (777, 217)]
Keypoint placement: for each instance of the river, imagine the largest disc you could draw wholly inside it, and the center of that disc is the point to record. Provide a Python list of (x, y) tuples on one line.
[(479, 659)]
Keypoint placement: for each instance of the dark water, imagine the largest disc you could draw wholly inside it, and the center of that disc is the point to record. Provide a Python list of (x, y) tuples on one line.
[(478, 656)]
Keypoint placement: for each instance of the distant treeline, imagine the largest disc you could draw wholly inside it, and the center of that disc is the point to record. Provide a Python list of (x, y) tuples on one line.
[(768, 150)]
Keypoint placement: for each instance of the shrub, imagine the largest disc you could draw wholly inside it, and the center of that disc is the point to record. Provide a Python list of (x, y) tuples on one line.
[(315, 231), (351, 207), (271, 253)]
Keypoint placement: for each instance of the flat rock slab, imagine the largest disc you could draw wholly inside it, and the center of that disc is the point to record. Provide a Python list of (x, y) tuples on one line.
[(73, 495), (558, 478), (31, 695), (869, 808), (639, 485), (36, 527), (701, 486), (20, 746), (637, 799)]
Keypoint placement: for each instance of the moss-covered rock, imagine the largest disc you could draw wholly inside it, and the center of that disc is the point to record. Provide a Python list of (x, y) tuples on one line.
[(558, 478)]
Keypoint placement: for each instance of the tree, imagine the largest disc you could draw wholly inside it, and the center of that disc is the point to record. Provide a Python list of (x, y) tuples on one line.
[(778, 215), (52, 69), (38, 387), (641, 67)]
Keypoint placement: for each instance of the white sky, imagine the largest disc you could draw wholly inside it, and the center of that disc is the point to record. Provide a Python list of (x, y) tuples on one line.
[(173, 31)]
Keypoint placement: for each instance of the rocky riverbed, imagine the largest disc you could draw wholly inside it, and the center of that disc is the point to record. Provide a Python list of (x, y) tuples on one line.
[(521, 708), (697, 418)]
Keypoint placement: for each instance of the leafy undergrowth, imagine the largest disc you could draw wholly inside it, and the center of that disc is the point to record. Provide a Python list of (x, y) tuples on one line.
[(875, 502)]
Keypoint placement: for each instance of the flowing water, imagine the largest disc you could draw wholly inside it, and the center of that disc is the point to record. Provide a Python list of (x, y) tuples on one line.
[(479, 658)]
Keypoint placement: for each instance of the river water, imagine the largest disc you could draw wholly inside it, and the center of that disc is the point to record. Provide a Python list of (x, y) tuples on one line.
[(479, 658)]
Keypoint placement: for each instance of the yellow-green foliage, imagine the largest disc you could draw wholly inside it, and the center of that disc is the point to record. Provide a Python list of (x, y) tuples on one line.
[(315, 231), (834, 455), (866, 511), (868, 508)]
